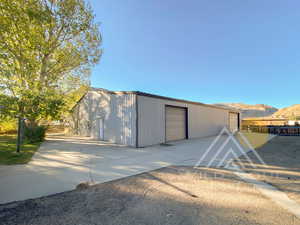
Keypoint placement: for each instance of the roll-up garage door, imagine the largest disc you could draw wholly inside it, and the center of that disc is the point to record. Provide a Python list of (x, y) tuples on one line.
[(176, 120), (233, 122)]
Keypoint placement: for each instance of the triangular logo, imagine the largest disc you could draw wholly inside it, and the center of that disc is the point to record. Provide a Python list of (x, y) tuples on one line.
[(226, 152)]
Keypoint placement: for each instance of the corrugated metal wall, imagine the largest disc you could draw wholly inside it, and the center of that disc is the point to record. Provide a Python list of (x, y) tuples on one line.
[(117, 111), (202, 121)]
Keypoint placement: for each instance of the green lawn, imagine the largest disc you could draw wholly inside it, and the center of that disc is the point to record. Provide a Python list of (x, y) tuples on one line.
[(8, 154)]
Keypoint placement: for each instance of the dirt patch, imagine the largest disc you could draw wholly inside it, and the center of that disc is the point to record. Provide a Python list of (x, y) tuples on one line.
[(173, 195), (282, 169)]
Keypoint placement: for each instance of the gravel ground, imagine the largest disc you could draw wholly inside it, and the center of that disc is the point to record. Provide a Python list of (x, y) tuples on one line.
[(282, 169), (172, 195)]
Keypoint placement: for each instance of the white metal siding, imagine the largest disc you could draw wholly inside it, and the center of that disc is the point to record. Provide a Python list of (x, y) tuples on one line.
[(117, 112), (203, 121), (175, 123)]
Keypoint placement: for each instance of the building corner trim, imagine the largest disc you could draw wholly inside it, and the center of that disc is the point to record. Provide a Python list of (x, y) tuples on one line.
[(136, 122)]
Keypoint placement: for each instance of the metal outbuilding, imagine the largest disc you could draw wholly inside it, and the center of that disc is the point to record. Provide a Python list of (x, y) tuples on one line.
[(141, 119)]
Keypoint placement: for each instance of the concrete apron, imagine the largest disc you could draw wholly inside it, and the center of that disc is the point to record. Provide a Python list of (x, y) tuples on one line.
[(60, 165)]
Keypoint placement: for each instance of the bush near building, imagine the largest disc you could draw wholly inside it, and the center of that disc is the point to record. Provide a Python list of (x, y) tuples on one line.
[(8, 126)]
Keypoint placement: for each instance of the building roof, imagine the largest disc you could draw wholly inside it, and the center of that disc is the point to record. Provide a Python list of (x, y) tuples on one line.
[(164, 97)]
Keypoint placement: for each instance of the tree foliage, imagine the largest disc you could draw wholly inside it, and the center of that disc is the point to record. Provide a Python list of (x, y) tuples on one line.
[(47, 49)]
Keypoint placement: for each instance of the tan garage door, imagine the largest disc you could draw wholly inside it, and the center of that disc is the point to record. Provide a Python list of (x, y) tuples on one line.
[(175, 123), (233, 122)]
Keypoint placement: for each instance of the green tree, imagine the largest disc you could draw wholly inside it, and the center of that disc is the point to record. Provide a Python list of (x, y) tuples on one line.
[(47, 49)]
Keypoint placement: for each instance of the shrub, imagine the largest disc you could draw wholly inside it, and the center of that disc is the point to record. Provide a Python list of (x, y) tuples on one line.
[(8, 126), (35, 134)]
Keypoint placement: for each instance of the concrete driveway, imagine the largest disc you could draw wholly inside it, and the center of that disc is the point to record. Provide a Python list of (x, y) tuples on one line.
[(63, 162)]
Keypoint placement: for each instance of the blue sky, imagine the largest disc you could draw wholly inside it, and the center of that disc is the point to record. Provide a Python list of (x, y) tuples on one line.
[(202, 50)]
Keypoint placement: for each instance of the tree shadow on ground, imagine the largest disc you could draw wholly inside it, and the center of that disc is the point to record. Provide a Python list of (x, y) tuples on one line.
[(164, 196)]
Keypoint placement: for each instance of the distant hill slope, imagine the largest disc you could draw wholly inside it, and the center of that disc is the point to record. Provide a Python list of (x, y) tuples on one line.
[(258, 110), (288, 112)]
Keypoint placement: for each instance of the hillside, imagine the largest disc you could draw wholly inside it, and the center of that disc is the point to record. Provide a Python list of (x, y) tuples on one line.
[(288, 112), (258, 110)]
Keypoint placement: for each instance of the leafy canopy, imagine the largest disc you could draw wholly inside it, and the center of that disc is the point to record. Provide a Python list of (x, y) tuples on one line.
[(47, 49)]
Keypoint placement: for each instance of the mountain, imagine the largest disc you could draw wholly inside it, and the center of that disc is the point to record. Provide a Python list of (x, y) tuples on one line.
[(258, 110), (290, 112)]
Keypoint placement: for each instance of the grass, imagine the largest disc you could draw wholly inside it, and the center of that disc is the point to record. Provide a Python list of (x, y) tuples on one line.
[(8, 154), (255, 139)]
